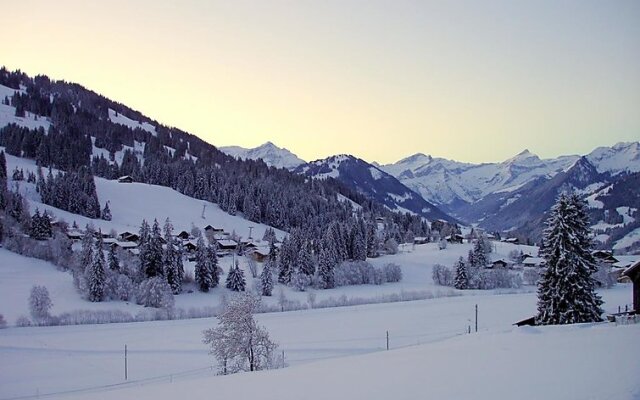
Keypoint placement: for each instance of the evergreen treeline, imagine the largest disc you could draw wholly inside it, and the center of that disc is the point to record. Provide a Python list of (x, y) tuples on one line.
[(72, 191), (173, 158)]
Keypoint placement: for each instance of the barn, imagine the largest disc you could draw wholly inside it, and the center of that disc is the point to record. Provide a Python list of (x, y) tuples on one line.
[(633, 272)]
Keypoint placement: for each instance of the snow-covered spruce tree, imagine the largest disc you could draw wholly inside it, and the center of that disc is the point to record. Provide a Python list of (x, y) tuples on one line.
[(214, 269), (306, 263), (106, 212), (566, 289), (239, 343), (114, 263), (327, 261), (461, 280), (235, 278), (202, 269), (266, 276), (173, 268), (152, 265), (86, 255), (39, 303), (286, 262), (95, 274)]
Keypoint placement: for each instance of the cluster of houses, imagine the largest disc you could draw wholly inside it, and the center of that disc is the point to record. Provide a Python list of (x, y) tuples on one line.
[(226, 243)]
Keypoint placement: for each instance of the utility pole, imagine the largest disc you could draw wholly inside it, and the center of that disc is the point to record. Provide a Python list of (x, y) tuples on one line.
[(250, 231), (476, 318), (204, 206), (125, 363), (387, 340)]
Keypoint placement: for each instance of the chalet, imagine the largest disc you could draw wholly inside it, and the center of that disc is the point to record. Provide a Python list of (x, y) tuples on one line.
[(511, 240), (531, 321), (604, 256), (455, 238), (500, 263), (125, 179), (189, 246), (125, 245), (533, 262), (420, 240), (633, 272), (249, 245), (128, 237), (260, 254), (212, 229), (108, 242), (227, 244), (184, 235), (74, 234)]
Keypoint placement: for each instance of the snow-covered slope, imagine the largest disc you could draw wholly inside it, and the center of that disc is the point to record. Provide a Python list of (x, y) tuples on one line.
[(8, 113), (118, 118), (374, 183), (622, 157), (131, 202), (271, 154)]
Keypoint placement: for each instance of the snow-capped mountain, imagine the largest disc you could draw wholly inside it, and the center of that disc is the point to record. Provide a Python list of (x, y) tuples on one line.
[(372, 182), (271, 154), (451, 183)]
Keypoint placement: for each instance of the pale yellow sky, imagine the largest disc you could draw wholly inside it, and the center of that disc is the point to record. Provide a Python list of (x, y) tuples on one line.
[(468, 80)]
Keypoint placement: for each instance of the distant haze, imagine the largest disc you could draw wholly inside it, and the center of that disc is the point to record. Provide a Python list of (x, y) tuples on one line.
[(473, 81)]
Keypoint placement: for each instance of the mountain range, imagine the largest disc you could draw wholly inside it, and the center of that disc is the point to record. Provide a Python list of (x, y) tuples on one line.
[(511, 197)]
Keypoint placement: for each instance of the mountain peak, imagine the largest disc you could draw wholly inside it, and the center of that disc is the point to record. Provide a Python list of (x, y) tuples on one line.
[(268, 152)]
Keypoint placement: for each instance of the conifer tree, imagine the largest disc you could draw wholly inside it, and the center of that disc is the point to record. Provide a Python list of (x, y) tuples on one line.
[(95, 275), (327, 260), (86, 255), (151, 251), (202, 270), (3, 168), (266, 276), (106, 212), (286, 263), (114, 263), (306, 264), (461, 280), (212, 264), (235, 278), (566, 289)]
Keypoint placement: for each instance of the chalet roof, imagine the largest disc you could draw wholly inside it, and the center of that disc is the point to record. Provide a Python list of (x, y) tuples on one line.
[(227, 243), (634, 269), (626, 261), (500, 260), (126, 245), (534, 261)]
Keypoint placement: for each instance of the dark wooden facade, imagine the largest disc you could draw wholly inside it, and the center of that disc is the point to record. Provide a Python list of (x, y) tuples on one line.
[(633, 272)]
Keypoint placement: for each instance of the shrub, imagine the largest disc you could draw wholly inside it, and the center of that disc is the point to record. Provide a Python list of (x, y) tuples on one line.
[(392, 272), (155, 292), (442, 275), (121, 287), (3, 322), (39, 303)]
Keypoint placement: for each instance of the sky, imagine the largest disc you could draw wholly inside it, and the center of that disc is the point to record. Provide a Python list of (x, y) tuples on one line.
[(474, 81)]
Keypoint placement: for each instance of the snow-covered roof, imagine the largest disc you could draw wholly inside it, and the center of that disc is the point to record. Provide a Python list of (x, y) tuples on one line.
[(635, 267), (227, 243), (126, 245), (533, 261)]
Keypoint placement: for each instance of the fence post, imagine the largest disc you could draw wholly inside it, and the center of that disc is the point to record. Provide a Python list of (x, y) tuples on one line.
[(125, 363), (387, 340)]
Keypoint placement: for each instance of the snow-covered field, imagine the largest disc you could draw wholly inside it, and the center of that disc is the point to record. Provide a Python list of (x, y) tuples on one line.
[(498, 361)]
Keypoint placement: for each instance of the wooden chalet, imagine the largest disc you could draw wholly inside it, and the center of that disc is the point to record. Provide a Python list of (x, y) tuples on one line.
[(125, 179), (213, 229), (128, 237), (512, 240), (184, 235), (633, 272), (456, 238), (227, 244), (420, 240), (531, 321), (189, 246), (500, 263), (124, 245), (74, 234), (604, 256), (534, 262)]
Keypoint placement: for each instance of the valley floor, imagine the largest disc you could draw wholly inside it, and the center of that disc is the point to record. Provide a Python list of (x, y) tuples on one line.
[(586, 361)]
